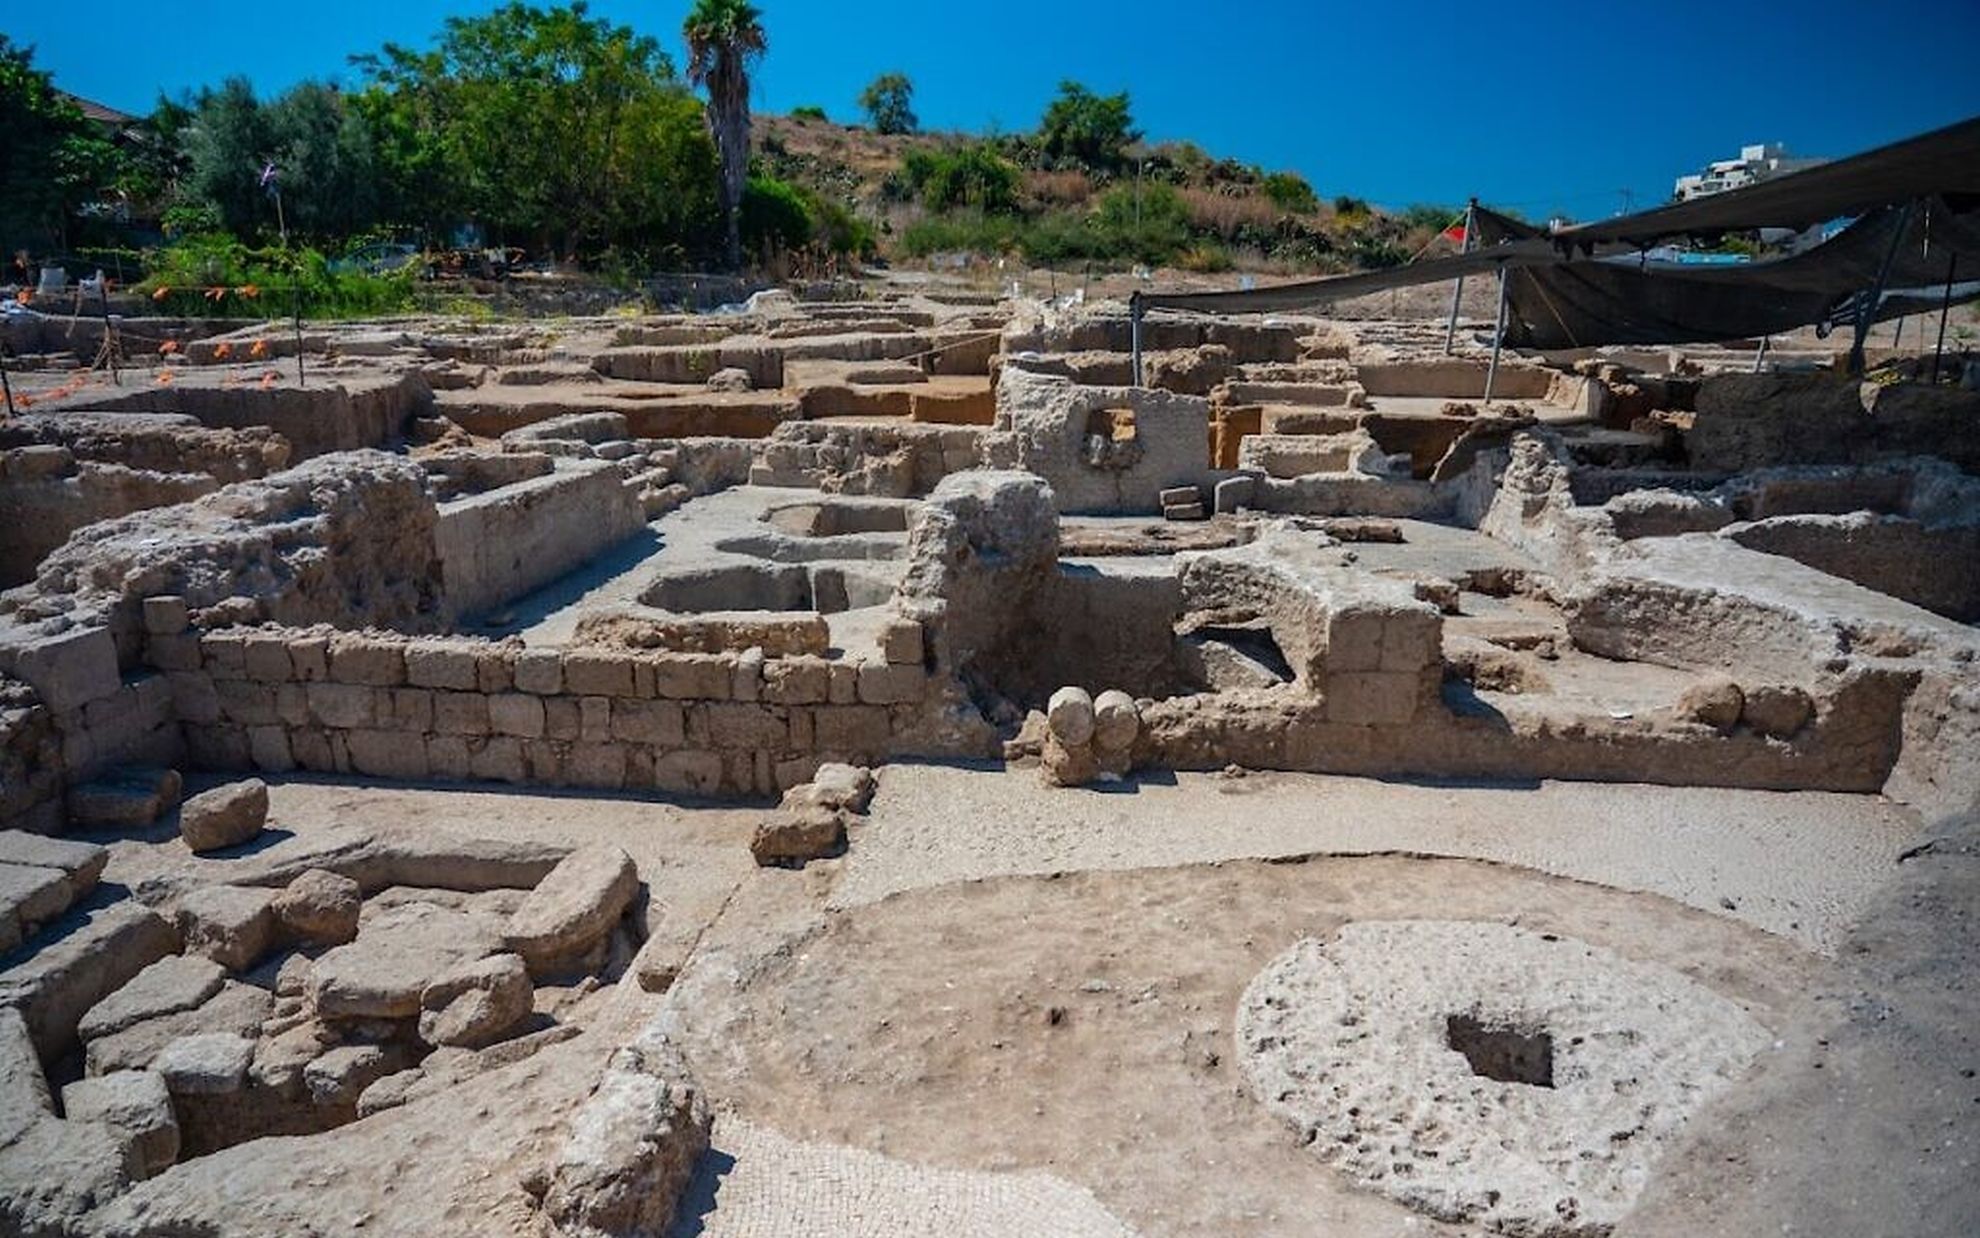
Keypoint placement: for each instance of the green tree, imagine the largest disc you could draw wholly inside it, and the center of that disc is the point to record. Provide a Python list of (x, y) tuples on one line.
[(888, 103), (226, 145), (325, 155), (544, 125), (1088, 129), (52, 159), (723, 38)]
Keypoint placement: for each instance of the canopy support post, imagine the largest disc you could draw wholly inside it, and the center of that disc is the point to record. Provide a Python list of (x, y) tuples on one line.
[(1866, 306), (1945, 308), (1457, 293), (1498, 335), (1134, 333)]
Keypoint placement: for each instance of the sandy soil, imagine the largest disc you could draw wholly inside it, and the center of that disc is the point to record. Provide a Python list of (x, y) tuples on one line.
[(1800, 864), (1081, 1024)]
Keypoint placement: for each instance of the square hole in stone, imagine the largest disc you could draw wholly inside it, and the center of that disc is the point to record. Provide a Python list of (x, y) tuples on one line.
[(1502, 1052)]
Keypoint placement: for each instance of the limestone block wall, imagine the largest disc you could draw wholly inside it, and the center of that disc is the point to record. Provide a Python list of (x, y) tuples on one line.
[(1101, 449), (386, 706), (67, 714), (498, 545), (339, 414), (898, 461)]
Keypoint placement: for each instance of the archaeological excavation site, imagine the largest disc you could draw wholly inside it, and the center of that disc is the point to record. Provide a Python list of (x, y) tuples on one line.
[(887, 757)]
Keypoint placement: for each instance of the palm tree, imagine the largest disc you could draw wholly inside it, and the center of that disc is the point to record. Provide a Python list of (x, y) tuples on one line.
[(723, 37)]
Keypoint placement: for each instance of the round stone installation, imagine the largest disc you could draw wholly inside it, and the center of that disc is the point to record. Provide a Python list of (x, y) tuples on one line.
[(1481, 1072)]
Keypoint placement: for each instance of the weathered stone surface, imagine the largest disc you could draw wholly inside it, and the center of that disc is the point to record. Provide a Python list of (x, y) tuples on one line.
[(342, 1074), (792, 837), (836, 786), (64, 978), (1717, 702), (174, 983), (632, 1145), (206, 1064), (225, 816), (396, 955), (319, 906), (279, 1058), (83, 862), (1067, 765), (1777, 711), (389, 1092), (125, 799), (574, 906), (56, 1173), (29, 896), (1070, 713), (232, 925), (1116, 720), (476, 1003), (237, 1008), (137, 1106), (24, 1096)]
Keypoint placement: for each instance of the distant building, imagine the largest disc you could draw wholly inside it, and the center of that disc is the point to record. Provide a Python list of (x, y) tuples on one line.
[(1755, 163)]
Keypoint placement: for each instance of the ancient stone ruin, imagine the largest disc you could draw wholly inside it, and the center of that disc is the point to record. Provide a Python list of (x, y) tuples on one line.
[(873, 766)]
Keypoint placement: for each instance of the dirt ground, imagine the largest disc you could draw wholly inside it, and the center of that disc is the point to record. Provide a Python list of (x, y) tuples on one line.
[(1009, 1009), (1082, 1023)]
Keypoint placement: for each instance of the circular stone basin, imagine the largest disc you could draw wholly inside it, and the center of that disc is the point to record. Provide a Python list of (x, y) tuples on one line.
[(1481, 1072)]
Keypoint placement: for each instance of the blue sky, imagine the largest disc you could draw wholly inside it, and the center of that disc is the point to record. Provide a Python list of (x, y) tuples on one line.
[(1546, 107)]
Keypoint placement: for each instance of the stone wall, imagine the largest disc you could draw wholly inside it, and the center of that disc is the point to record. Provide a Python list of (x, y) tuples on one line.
[(900, 460), (329, 414), (387, 706), (1101, 449), (498, 545)]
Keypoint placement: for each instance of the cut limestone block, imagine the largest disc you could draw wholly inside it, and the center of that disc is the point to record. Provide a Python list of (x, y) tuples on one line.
[(573, 907), (319, 906), (174, 983), (237, 1007), (632, 1147), (83, 862), (123, 799), (793, 837), (225, 816), (835, 786), (397, 954), (341, 1075), (65, 977), (24, 1097), (232, 925), (476, 1003), (207, 1064), (29, 897), (137, 1106)]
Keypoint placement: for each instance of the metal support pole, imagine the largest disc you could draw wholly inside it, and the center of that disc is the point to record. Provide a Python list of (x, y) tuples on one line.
[(1945, 308), (1134, 333), (295, 307), (109, 340), (1498, 335), (1866, 306), (1457, 293), (1760, 357)]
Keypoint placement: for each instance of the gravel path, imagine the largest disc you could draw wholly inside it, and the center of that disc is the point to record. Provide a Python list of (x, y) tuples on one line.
[(1800, 864)]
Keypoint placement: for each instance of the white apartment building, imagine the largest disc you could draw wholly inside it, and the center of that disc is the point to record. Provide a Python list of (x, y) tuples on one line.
[(1755, 163)]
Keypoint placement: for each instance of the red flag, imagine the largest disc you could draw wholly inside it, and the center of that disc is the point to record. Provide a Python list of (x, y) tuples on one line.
[(1455, 233)]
